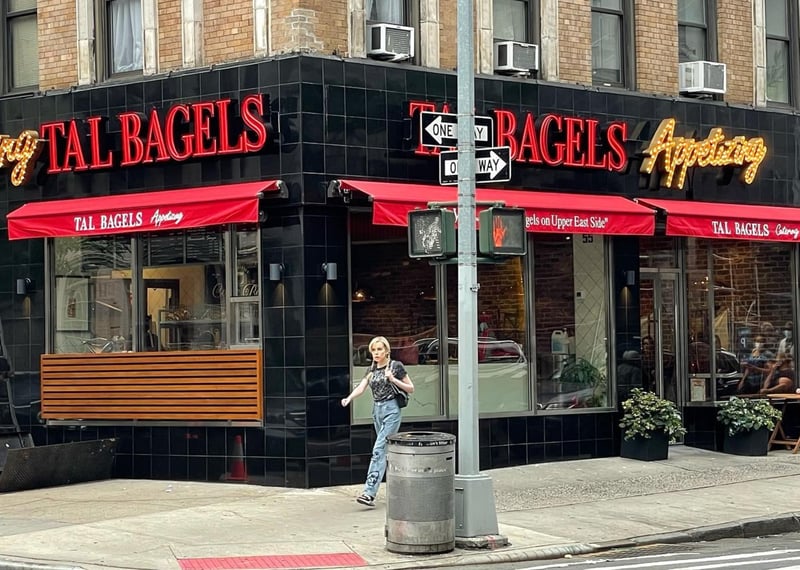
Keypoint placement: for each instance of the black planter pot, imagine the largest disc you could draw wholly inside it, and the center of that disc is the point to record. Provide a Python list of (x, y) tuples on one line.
[(654, 448), (747, 442)]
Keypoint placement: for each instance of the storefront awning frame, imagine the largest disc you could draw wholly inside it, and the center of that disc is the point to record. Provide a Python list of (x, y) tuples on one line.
[(545, 212), (159, 210), (722, 220)]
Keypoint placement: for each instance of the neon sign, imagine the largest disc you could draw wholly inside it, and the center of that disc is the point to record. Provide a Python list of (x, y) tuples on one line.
[(186, 130), (22, 152), (551, 139), (673, 156)]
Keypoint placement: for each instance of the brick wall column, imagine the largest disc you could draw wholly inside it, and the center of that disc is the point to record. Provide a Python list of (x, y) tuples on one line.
[(575, 55), (656, 31)]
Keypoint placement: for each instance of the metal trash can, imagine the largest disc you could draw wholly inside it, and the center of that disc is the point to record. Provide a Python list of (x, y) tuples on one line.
[(420, 493)]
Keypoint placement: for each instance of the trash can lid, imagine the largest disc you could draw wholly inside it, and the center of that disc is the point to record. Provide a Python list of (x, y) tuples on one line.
[(422, 438)]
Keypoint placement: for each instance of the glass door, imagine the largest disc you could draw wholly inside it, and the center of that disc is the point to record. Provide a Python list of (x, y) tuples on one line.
[(661, 351)]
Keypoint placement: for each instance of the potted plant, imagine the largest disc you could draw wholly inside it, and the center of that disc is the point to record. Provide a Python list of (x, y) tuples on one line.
[(649, 424), (749, 422)]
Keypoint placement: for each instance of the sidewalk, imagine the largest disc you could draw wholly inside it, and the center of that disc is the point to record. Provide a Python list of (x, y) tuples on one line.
[(545, 510)]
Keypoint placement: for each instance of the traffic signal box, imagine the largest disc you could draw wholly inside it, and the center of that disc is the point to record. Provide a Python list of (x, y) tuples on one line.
[(432, 233)]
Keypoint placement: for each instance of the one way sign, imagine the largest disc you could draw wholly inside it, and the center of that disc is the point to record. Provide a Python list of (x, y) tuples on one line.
[(441, 130), (491, 165)]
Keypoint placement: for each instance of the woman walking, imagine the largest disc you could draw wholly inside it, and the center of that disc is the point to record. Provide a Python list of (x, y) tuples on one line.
[(384, 377)]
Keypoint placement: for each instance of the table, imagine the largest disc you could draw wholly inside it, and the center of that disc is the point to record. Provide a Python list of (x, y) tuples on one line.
[(778, 436)]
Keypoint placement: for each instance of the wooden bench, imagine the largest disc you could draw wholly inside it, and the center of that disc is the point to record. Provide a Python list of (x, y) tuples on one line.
[(214, 385)]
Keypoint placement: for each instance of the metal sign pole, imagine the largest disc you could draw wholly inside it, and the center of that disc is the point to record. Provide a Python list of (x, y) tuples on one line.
[(475, 509)]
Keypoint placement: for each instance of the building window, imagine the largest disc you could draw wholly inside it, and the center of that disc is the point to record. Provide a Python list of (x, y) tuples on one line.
[(609, 38), (512, 21), (192, 297), (387, 12), (692, 31), (124, 38), (20, 45), (779, 46)]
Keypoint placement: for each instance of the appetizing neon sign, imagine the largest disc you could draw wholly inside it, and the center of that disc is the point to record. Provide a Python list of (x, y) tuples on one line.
[(22, 152), (673, 156)]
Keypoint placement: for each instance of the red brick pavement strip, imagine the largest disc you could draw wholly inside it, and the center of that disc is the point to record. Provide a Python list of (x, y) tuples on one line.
[(273, 561)]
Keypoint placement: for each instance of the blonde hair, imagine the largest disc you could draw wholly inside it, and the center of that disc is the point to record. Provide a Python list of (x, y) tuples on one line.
[(383, 341)]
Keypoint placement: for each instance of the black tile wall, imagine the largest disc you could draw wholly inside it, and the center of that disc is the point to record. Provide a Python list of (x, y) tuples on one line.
[(340, 118)]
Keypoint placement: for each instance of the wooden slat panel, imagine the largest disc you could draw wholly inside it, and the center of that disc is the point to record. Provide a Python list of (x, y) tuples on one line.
[(183, 386)]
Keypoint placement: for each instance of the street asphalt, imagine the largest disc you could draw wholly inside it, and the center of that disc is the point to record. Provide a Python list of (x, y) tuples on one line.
[(545, 511)]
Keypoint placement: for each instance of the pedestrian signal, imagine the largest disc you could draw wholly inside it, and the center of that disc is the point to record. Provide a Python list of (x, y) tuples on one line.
[(431, 233), (502, 232)]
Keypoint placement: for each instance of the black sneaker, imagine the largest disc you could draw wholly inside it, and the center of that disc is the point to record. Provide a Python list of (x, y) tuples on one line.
[(366, 500)]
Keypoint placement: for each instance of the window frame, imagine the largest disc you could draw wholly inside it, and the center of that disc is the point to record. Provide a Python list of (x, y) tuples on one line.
[(407, 11), (627, 45), (793, 70), (103, 50), (532, 23), (6, 53), (710, 28)]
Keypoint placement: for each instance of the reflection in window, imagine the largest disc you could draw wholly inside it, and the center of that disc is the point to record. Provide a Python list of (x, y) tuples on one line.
[(92, 295), (503, 384), (22, 53), (571, 322), (778, 49), (607, 35), (692, 30), (749, 321), (395, 297)]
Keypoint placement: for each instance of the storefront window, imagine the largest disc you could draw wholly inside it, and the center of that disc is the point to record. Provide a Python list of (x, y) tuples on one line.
[(184, 275), (395, 297), (184, 278), (571, 322), (92, 295), (503, 384), (743, 325)]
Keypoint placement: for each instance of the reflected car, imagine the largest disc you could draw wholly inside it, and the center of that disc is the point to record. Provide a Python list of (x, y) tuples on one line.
[(489, 351), (729, 369)]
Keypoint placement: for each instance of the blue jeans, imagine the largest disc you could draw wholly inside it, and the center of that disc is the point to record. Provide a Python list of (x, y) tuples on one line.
[(386, 417)]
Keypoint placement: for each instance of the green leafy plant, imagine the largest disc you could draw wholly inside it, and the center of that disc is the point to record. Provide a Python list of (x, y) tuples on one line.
[(646, 413), (584, 373), (747, 414)]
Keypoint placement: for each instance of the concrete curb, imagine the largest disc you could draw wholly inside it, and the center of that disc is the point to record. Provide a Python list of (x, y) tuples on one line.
[(745, 528)]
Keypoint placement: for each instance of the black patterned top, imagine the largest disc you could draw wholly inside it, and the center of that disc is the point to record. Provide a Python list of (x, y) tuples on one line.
[(382, 389)]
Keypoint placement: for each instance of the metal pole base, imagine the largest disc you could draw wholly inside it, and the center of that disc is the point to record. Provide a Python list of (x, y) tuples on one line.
[(475, 512)]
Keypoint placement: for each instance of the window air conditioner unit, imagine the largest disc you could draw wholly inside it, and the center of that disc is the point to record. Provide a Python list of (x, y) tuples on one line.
[(390, 42), (516, 58), (702, 77)]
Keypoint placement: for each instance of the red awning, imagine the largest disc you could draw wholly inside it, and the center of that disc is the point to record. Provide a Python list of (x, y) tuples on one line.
[(729, 221), (144, 212), (547, 212)]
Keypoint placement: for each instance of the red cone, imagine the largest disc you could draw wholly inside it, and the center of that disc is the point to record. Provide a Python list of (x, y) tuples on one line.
[(238, 468)]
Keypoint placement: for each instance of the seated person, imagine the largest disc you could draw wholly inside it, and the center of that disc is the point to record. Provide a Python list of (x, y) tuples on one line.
[(756, 367), (780, 379)]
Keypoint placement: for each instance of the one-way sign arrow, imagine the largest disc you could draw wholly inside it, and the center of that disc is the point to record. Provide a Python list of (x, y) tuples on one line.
[(441, 130), (491, 165)]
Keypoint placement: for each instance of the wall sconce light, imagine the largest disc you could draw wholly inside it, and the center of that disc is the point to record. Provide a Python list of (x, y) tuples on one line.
[(275, 271), (331, 271), (24, 286), (630, 278)]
